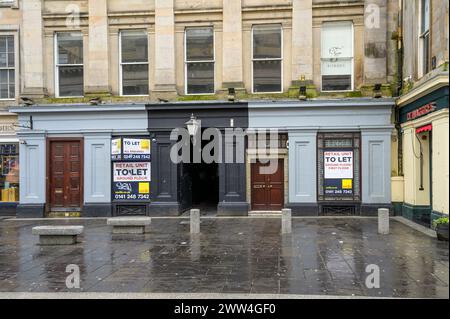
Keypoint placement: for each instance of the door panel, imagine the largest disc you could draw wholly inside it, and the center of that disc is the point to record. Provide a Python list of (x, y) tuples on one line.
[(65, 175), (276, 199), (57, 174), (259, 194), (74, 172), (267, 189)]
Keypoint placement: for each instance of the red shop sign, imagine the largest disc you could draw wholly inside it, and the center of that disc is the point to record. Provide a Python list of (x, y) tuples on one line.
[(430, 107)]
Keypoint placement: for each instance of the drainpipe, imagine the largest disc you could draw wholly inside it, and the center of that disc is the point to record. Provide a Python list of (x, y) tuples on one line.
[(399, 88), (421, 188)]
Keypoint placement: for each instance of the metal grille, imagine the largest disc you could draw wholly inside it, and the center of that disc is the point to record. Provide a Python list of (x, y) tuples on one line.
[(262, 140), (339, 210), (320, 169), (356, 172), (131, 210), (339, 143)]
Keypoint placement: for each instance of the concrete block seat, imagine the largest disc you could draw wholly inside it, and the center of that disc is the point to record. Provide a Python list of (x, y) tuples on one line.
[(57, 235), (129, 225)]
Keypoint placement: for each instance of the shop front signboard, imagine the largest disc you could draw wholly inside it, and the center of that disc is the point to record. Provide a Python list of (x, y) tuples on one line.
[(136, 149), (131, 181), (338, 173), (421, 111), (116, 148), (130, 149), (131, 169)]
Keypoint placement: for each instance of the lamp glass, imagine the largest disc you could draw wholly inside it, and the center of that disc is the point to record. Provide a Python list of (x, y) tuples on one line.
[(193, 125)]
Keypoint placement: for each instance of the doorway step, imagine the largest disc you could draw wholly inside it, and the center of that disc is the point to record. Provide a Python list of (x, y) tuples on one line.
[(63, 214), (263, 213)]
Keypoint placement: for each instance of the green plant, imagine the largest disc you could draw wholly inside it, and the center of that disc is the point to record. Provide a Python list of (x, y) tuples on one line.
[(440, 221)]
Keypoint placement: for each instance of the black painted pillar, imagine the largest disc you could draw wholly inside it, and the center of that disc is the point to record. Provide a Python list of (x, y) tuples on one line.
[(232, 179), (164, 184)]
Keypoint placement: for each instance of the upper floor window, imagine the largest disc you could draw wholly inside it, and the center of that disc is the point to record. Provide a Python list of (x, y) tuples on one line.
[(424, 53), (199, 60), (7, 67), (134, 62), (267, 58), (337, 56), (7, 2), (69, 64)]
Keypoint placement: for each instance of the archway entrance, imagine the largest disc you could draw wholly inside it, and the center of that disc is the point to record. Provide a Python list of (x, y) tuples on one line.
[(204, 186)]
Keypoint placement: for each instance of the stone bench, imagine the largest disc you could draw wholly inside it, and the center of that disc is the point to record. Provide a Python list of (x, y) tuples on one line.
[(57, 235), (129, 225)]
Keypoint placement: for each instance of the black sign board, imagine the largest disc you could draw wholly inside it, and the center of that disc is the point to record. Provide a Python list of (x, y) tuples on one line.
[(131, 169), (131, 181)]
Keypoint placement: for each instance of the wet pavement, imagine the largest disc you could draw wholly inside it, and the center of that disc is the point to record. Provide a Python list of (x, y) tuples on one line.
[(323, 256)]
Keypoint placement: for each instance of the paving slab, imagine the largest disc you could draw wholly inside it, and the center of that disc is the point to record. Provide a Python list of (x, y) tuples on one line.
[(230, 257)]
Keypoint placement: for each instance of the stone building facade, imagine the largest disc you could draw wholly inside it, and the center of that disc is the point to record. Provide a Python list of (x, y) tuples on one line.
[(421, 187), (150, 51), (101, 26)]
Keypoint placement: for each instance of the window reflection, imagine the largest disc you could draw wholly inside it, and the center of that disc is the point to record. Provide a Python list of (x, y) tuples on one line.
[(9, 172)]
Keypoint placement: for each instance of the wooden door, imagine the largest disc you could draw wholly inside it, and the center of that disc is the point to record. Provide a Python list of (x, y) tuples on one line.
[(65, 175), (267, 188)]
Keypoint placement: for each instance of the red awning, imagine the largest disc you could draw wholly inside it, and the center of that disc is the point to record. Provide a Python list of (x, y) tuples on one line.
[(425, 128)]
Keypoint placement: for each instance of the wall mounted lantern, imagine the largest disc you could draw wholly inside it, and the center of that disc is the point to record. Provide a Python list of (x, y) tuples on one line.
[(193, 125)]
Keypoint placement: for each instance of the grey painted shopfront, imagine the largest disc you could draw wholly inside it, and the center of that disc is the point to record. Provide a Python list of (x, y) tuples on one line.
[(94, 126), (80, 138), (308, 123)]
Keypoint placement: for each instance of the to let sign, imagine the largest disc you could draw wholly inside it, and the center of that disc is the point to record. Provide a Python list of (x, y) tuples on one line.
[(131, 181), (132, 172), (136, 149), (338, 165), (338, 173)]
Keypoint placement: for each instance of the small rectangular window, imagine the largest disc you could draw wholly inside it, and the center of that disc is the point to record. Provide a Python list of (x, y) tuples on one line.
[(267, 59), (337, 56), (134, 62), (7, 68), (199, 60), (69, 64)]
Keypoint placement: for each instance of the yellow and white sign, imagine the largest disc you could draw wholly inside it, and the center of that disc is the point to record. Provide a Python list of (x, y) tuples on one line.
[(144, 188), (116, 146), (347, 184), (136, 146)]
